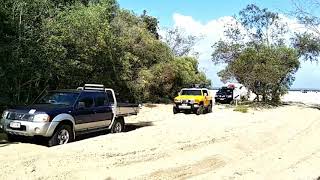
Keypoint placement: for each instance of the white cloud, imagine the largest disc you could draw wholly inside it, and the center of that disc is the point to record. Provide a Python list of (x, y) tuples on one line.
[(212, 31), (209, 33)]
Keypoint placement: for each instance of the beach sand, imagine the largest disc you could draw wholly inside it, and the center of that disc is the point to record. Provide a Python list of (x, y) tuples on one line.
[(278, 143)]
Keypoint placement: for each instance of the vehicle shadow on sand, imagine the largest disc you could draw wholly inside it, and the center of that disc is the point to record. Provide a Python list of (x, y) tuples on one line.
[(135, 126), (4, 141), (128, 128), (41, 141)]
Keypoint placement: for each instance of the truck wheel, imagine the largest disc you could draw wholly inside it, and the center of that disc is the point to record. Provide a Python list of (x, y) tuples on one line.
[(175, 110), (62, 135), (200, 110), (209, 108), (118, 126)]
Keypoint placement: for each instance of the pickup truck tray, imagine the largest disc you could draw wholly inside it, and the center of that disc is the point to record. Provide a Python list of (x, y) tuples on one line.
[(127, 109)]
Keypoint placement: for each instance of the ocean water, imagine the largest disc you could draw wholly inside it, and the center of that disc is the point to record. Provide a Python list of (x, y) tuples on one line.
[(293, 96)]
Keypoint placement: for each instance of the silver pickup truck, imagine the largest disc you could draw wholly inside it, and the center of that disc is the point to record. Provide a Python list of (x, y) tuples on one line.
[(60, 115)]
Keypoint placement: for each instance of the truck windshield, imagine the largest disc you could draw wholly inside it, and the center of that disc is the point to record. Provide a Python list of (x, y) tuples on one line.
[(64, 98), (227, 91), (191, 92)]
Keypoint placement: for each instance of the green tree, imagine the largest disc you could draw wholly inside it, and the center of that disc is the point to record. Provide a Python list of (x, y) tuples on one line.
[(163, 81), (180, 43), (308, 45), (57, 44), (306, 12), (23, 67), (267, 72), (151, 24), (88, 44), (308, 42), (256, 55)]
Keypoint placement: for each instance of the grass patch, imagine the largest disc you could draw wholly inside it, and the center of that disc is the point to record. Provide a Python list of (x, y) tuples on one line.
[(241, 108), (253, 105), (261, 105)]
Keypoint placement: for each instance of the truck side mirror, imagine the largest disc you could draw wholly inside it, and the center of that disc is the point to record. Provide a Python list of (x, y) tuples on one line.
[(205, 94), (179, 93), (81, 105)]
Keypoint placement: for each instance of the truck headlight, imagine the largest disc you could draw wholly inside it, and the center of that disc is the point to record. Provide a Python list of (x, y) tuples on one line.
[(192, 101), (177, 100), (230, 96), (41, 117), (5, 114)]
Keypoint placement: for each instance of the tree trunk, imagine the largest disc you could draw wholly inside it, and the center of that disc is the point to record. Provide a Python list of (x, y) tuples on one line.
[(275, 96), (264, 97)]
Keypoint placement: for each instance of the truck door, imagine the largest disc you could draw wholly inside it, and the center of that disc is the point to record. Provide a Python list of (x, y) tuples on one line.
[(102, 110), (84, 111)]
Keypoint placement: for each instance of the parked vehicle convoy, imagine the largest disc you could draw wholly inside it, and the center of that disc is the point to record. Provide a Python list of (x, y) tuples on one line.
[(230, 92), (60, 115), (196, 100)]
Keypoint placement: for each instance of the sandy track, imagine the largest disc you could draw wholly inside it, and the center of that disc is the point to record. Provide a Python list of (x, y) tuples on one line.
[(278, 143)]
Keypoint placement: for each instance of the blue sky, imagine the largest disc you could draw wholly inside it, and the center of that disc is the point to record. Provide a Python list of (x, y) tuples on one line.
[(203, 10), (203, 15)]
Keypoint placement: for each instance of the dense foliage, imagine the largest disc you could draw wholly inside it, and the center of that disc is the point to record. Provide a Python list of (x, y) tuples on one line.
[(52, 44), (256, 55), (163, 80)]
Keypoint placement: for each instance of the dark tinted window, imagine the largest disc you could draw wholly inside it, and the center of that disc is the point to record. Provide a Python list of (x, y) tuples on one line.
[(66, 98), (110, 96), (205, 91), (100, 99), (191, 92), (87, 99), (227, 91)]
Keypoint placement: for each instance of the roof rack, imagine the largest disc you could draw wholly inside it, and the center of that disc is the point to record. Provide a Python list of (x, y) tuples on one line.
[(97, 87)]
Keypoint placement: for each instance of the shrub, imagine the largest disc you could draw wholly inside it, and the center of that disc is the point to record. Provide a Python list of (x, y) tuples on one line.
[(241, 108)]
